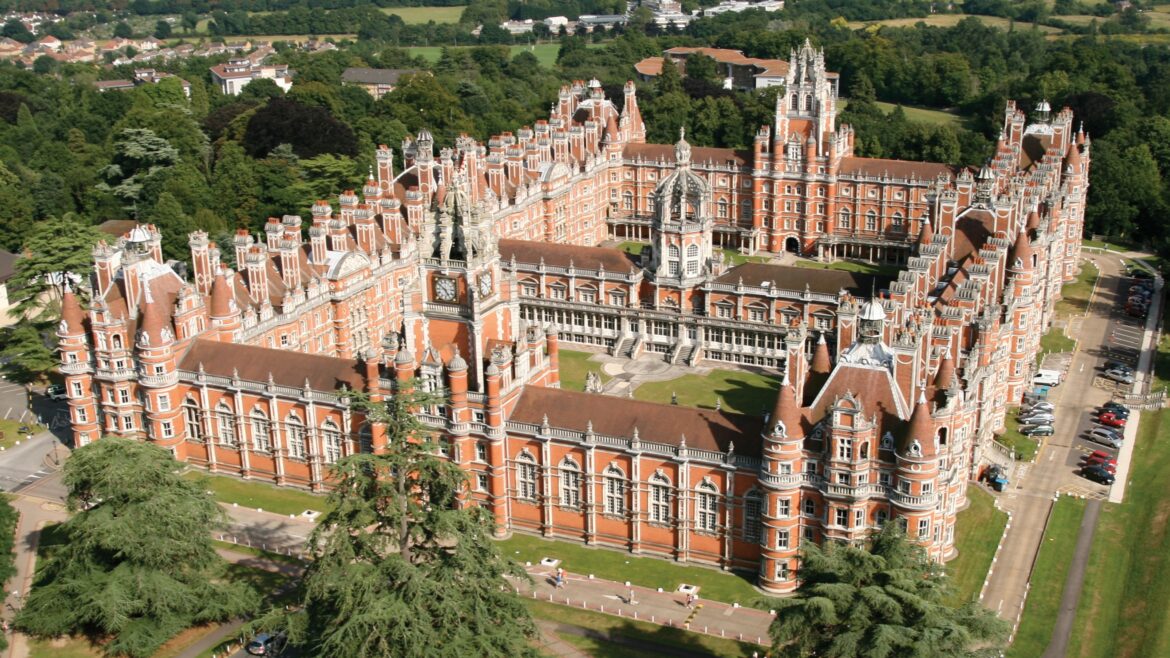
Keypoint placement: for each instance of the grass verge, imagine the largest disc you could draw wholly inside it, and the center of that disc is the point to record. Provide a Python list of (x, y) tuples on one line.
[(616, 637), (748, 393), (10, 432), (610, 564), (1025, 446), (1048, 576), (258, 495), (575, 366), (977, 533), (1075, 294), (1054, 341)]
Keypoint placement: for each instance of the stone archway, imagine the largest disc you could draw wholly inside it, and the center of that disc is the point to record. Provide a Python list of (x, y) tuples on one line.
[(792, 245)]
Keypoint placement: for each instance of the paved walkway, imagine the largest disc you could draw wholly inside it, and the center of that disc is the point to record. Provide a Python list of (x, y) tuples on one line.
[(1074, 583), (34, 515)]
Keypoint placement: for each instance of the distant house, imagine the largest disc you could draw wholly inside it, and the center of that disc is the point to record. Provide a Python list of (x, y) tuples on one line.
[(48, 43), (738, 71), (378, 82), (7, 269), (517, 27), (141, 77), (234, 75)]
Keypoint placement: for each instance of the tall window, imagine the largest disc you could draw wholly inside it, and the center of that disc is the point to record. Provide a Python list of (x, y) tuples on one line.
[(296, 437), (627, 201), (331, 441), (226, 424), (659, 499), (752, 508), (844, 220), (923, 527), (781, 539), (783, 508), (707, 507), (845, 449), (871, 221), (261, 432), (615, 491), (526, 478), (193, 424), (366, 439), (570, 484)]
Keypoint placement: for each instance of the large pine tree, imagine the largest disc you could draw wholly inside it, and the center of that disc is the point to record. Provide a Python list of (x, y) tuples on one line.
[(401, 569), (883, 600)]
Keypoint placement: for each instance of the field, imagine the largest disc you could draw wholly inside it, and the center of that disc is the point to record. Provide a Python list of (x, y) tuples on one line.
[(1056, 551), (977, 534), (622, 566), (1123, 608), (950, 20), (546, 53), (919, 114), (279, 500), (419, 15), (741, 392), (574, 366)]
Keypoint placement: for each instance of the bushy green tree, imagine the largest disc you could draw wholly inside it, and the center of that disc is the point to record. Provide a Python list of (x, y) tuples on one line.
[(138, 565), (57, 250), (25, 347), (886, 599)]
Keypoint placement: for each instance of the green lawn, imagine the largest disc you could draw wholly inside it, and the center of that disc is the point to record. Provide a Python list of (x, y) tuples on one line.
[(633, 248), (1054, 341), (950, 20), (546, 53), (1025, 446), (574, 366), (977, 534), (608, 628), (268, 497), (1048, 576), (610, 564), (258, 552), (741, 392), (1123, 610), (10, 432), (419, 15), (924, 114), (1075, 294), (851, 266), (735, 258), (66, 647)]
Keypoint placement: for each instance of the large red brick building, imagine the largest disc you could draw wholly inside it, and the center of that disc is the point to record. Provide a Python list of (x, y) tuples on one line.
[(469, 269)]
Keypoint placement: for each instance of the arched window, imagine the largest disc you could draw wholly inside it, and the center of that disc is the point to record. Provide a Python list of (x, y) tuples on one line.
[(707, 507), (615, 491), (261, 432), (331, 441), (693, 260), (570, 484), (672, 251), (659, 499), (295, 430), (864, 450), (722, 208), (808, 102), (795, 103), (225, 422), (870, 220), (525, 477), (753, 507), (117, 341), (366, 439), (897, 220), (693, 251), (193, 419)]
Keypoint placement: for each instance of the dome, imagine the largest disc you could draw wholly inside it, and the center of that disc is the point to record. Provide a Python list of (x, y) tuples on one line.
[(139, 234), (872, 310)]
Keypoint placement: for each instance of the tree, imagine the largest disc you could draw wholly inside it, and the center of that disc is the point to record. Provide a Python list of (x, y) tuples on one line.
[(669, 80), (162, 30), (167, 214), (137, 565), (44, 65), (26, 351), (882, 600), (234, 186), (701, 67), (16, 210), (17, 30), (57, 249), (401, 568), (123, 30), (310, 130), (139, 154)]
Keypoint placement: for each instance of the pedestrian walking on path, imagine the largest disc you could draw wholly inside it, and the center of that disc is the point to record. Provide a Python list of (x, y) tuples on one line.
[(560, 578)]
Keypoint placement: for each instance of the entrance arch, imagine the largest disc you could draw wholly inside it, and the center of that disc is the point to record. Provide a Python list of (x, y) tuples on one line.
[(792, 245)]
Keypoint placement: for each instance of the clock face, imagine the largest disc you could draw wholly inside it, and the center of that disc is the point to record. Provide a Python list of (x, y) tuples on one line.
[(485, 284), (445, 290)]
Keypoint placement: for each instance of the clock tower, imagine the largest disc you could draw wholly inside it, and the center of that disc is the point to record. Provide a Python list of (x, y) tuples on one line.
[(467, 308)]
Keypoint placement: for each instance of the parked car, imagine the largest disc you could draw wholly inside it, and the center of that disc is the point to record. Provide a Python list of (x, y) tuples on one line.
[(1119, 375), (1135, 311), (1107, 462), (266, 644), (1047, 377), (1037, 430), (1110, 364), (1044, 407), (1117, 408), (1111, 419), (1097, 473), (1140, 273), (1038, 418), (56, 392), (1104, 437), (1096, 457)]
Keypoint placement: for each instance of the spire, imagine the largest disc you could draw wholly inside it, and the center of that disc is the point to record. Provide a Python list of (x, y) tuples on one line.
[(72, 317), (946, 372), (1022, 252), (155, 327), (821, 364), (926, 236), (682, 149), (222, 304), (920, 432), (785, 418)]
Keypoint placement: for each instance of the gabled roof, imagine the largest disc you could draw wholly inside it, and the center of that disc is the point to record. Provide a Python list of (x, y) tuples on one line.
[(829, 282), (873, 386), (288, 368), (561, 255), (700, 155), (704, 429), (900, 169)]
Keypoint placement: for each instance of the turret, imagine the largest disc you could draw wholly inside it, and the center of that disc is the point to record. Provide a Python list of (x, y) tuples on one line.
[(224, 313), (78, 371)]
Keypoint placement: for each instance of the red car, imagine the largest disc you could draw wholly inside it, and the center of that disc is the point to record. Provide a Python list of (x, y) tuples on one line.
[(1109, 464), (1096, 457), (1111, 419)]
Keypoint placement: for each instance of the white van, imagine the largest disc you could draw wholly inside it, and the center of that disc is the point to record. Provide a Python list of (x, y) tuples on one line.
[(1047, 377)]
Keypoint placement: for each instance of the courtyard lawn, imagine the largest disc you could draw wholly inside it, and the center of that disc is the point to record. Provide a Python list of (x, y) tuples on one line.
[(977, 534), (1053, 342), (420, 15), (616, 637), (890, 271), (633, 248), (611, 564), (1075, 294), (1048, 576), (259, 495), (1025, 446), (1123, 608), (574, 366), (742, 392), (735, 258)]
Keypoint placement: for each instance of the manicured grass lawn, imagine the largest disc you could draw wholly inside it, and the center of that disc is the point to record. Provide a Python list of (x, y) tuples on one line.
[(977, 534), (68, 647), (616, 628), (1075, 294), (924, 114), (633, 248), (419, 15), (1123, 608), (1048, 576), (950, 20), (741, 392), (262, 495), (850, 266), (610, 564), (735, 258), (546, 53), (574, 366), (1025, 446), (10, 432), (1054, 341)]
